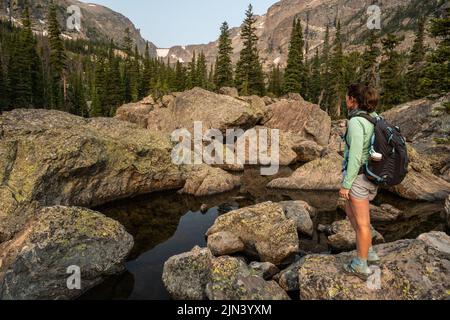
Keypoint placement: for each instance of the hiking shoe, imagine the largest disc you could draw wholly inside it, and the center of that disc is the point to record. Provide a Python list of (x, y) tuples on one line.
[(361, 270), (373, 258)]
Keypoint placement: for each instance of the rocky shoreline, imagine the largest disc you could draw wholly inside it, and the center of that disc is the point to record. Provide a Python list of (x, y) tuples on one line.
[(54, 166)]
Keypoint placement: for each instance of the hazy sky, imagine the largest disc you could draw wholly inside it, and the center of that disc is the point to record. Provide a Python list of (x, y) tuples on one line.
[(180, 22)]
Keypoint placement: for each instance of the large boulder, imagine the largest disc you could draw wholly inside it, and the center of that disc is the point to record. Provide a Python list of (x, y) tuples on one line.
[(342, 237), (232, 279), (215, 111), (185, 275), (410, 270), (198, 275), (203, 180), (264, 229), (300, 117), (34, 264), (420, 182), (426, 125), (54, 158), (321, 174), (288, 278)]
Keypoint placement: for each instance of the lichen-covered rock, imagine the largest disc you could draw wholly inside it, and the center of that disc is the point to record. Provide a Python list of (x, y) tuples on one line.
[(185, 276), (34, 264), (288, 278), (320, 174), (342, 237), (224, 243), (410, 270), (54, 158), (301, 212), (300, 117), (203, 180), (265, 270), (264, 229), (232, 279)]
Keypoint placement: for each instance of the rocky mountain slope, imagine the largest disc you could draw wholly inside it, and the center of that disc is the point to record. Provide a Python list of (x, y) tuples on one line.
[(98, 22), (274, 27)]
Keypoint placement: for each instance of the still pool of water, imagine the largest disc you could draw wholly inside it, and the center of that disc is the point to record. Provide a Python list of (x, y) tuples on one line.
[(167, 224)]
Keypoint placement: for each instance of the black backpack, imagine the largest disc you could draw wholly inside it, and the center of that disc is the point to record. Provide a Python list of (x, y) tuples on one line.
[(389, 142)]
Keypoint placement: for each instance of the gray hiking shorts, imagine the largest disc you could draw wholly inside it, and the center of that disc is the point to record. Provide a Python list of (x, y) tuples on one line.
[(363, 189)]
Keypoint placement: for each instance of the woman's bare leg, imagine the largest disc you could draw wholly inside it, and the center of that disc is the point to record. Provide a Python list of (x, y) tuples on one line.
[(361, 213), (350, 215)]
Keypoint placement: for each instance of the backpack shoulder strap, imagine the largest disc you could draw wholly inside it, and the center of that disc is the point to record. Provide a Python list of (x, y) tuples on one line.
[(366, 116)]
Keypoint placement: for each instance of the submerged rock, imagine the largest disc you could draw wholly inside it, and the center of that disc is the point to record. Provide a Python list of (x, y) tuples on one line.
[(34, 264), (264, 229), (410, 270), (321, 174), (342, 237)]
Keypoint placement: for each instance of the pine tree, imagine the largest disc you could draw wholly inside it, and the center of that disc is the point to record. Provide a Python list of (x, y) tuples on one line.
[(276, 81), (192, 74), (249, 73), (180, 72), (418, 50), (295, 73), (57, 61), (324, 97), (224, 67), (4, 99), (114, 90), (392, 79), (435, 78), (202, 72), (416, 62), (337, 86), (369, 70), (147, 73), (315, 83)]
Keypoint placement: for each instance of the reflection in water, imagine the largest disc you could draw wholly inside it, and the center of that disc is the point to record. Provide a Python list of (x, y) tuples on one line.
[(166, 224)]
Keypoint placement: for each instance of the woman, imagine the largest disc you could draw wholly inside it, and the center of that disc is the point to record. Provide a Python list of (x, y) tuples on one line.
[(356, 188)]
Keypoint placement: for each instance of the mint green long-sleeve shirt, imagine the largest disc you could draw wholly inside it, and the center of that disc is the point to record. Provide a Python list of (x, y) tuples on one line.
[(359, 137)]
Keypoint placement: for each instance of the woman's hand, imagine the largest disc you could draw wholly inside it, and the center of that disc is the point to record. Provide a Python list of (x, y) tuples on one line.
[(344, 194)]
